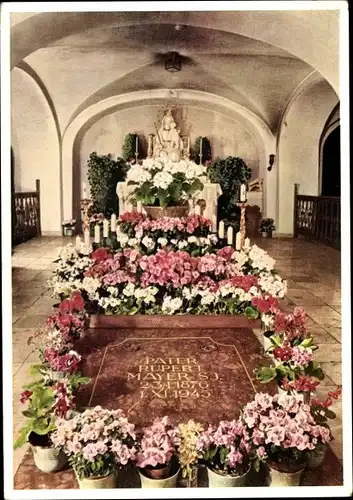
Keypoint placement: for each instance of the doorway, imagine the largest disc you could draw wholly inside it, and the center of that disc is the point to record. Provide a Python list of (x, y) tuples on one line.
[(331, 164)]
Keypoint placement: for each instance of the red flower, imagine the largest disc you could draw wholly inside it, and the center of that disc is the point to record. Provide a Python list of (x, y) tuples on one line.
[(100, 254), (77, 301), (66, 306), (25, 396), (282, 353)]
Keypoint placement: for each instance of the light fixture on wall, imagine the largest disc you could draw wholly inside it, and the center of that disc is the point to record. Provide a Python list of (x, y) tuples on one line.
[(271, 162), (172, 62)]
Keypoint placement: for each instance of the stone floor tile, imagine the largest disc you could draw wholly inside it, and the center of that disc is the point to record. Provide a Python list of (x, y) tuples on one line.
[(31, 321), (302, 297), (333, 370), (329, 352)]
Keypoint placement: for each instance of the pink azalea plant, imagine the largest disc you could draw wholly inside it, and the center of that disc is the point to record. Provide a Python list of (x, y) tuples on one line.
[(69, 320), (96, 441), (282, 429), (227, 448), (158, 444)]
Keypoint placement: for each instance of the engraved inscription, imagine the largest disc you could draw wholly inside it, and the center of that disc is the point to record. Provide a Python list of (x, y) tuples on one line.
[(173, 378)]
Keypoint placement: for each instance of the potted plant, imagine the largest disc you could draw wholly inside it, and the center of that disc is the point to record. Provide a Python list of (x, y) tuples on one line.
[(267, 226), (39, 426), (283, 431), (156, 458), (321, 412), (97, 442), (165, 187), (68, 227), (225, 450), (189, 432)]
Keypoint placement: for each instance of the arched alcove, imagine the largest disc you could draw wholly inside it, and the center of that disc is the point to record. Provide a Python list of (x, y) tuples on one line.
[(331, 164)]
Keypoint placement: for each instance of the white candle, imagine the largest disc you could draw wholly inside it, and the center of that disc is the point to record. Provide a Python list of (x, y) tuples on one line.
[(214, 223), (97, 234), (243, 192), (139, 206), (247, 243), (238, 241), (113, 222), (221, 229), (78, 243), (201, 146), (105, 228), (84, 190), (230, 235), (86, 238), (197, 210), (137, 144)]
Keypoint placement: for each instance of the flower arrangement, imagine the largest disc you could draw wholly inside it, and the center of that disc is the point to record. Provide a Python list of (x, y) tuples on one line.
[(226, 448), (189, 433), (267, 225), (282, 430), (158, 446), (69, 223), (69, 319), (161, 182), (96, 441)]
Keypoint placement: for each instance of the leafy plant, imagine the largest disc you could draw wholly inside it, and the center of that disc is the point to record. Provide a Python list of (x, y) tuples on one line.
[(40, 415), (206, 150), (129, 147), (267, 225), (103, 175)]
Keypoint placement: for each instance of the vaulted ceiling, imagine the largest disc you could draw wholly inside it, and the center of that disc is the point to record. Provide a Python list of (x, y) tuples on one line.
[(82, 58)]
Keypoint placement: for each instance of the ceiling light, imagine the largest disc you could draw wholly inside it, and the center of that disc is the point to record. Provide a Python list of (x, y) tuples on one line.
[(173, 62)]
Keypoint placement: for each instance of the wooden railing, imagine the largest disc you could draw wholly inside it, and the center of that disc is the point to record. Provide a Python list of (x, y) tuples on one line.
[(26, 215), (318, 217)]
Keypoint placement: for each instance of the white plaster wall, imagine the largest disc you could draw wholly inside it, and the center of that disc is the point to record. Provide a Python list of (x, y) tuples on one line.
[(36, 147), (298, 148), (227, 137)]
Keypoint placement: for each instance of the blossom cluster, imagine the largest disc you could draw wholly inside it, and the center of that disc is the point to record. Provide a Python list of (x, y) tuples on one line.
[(282, 424), (158, 443)]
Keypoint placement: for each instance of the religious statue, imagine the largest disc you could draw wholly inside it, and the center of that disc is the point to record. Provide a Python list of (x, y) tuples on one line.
[(168, 139)]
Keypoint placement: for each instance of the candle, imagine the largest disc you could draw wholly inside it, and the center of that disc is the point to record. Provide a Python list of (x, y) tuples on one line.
[(97, 234), (221, 229), (243, 192), (86, 238), (137, 144), (84, 190), (238, 241), (78, 243), (214, 223), (139, 206), (230, 235), (247, 243), (113, 222), (201, 146), (197, 210), (105, 228)]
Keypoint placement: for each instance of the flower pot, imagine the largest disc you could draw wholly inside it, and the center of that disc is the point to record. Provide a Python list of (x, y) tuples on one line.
[(266, 234), (97, 483), (56, 375), (267, 343), (47, 458), (280, 477), (159, 212), (68, 231), (217, 480), (158, 473), (148, 482), (317, 456)]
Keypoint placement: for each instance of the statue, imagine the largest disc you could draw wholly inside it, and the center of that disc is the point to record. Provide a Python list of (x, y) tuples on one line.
[(168, 138)]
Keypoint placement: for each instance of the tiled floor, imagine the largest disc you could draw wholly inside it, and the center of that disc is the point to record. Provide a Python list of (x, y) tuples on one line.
[(312, 270)]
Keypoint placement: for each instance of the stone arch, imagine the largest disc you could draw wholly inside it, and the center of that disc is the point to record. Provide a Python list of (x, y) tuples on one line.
[(332, 123), (252, 123)]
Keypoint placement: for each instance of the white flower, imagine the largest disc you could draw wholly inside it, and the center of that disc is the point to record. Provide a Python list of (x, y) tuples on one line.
[(162, 180), (132, 242), (90, 285), (207, 299), (170, 305), (241, 257), (267, 319), (182, 244), (129, 290), (174, 241), (138, 174), (192, 239), (162, 241), (261, 259), (148, 242), (122, 238)]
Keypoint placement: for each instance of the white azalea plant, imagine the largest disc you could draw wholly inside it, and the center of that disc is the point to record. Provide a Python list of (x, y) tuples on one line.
[(161, 182)]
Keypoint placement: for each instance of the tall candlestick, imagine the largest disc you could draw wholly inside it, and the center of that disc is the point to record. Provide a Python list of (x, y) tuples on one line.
[(86, 238), (137, 145), (221, 229), (105, 228), (238, 241), (97, 234), (78, 243), (201, 146), (197, 210), (243, 192), (113, 222), (230, 235)]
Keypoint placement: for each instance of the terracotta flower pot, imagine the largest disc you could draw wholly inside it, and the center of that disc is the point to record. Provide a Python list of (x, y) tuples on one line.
[(47, 458), (317, 456), (217, 480), (149, 482), (159, 212), (158, 472), (281, 476), (97, 483)]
